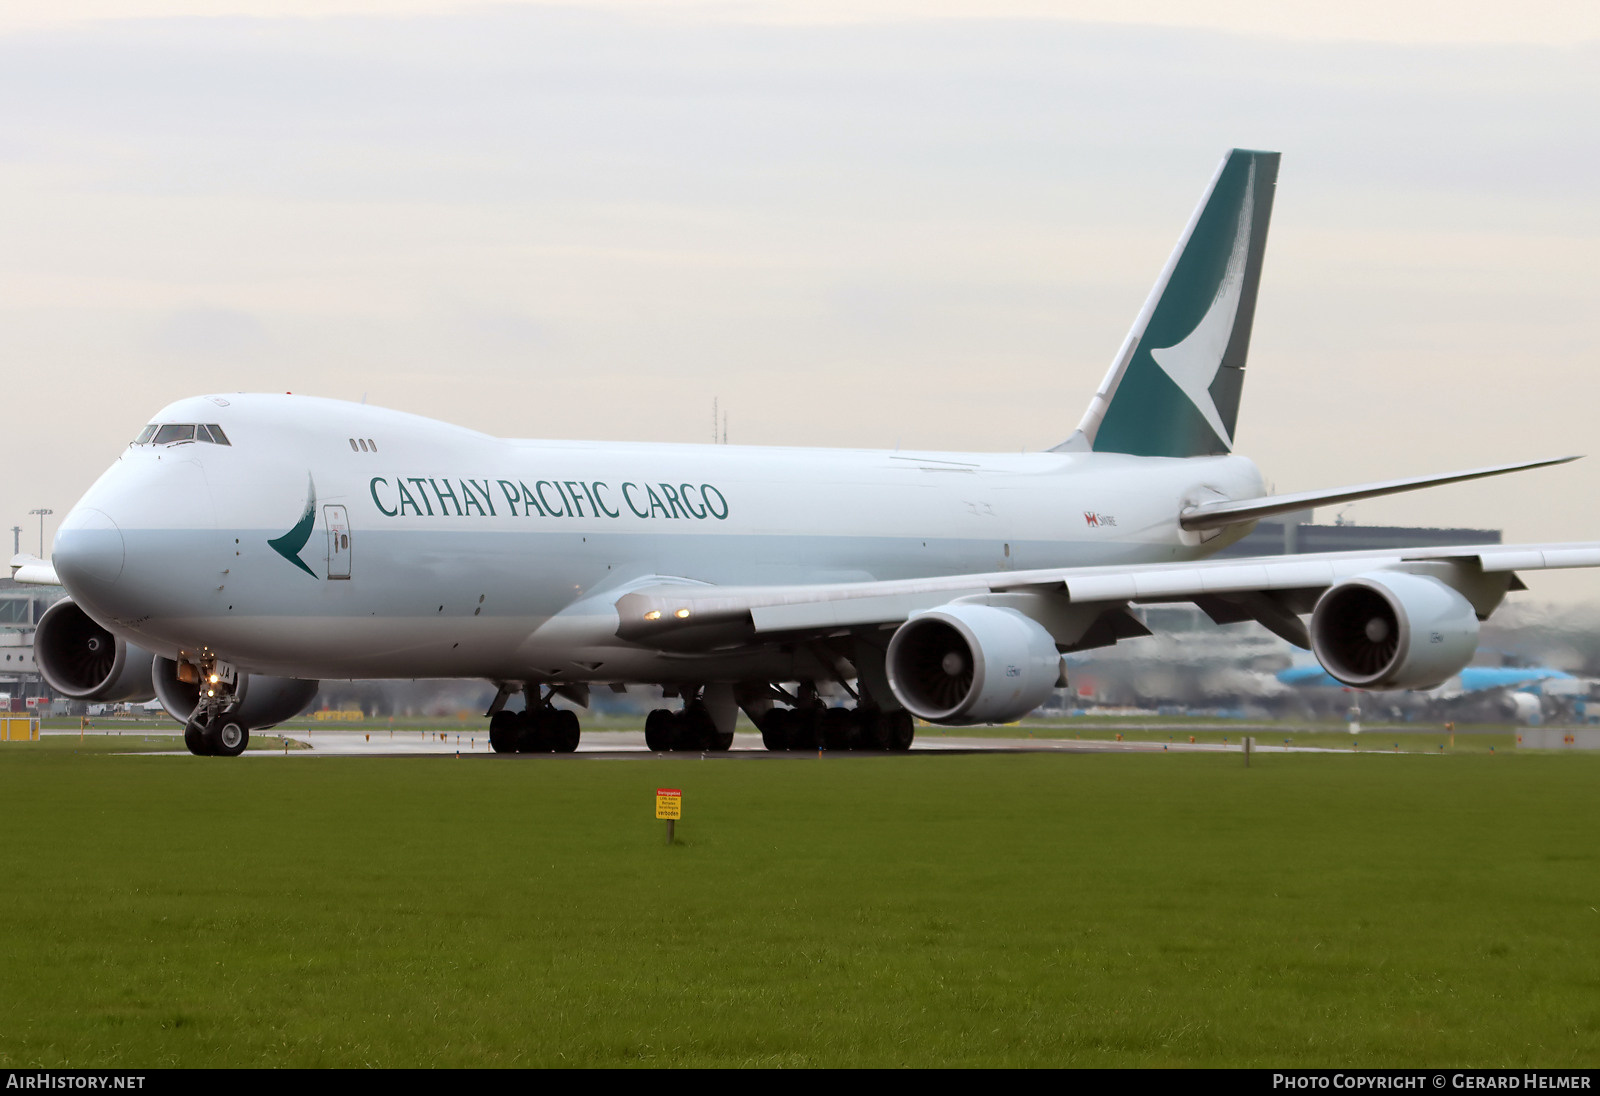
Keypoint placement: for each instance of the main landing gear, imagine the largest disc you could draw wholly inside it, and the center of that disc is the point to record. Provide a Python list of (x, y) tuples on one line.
[(691, 728), (541, 729), (819, 728)]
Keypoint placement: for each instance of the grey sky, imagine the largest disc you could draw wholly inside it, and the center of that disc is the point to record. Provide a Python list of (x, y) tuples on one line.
[(588, 222)]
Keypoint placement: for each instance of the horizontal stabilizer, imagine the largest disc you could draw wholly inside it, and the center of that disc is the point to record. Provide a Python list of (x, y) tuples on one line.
[(1215, 515), (30, 570)]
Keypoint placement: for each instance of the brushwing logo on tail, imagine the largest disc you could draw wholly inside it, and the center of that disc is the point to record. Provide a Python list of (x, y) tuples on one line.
[(1194, 362), (1178, 393), (290, 544)]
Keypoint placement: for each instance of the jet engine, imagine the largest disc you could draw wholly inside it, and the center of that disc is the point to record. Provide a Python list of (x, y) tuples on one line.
[(261, 701), (968, 663), (1524, 708), (1391, 630), (84, 661)]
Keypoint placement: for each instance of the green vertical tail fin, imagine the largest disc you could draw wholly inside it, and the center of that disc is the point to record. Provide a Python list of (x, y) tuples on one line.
[(1173, 390)]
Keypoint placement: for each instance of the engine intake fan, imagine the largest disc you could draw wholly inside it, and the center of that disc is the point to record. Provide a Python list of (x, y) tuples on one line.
[(1392, 630), (969, 663), (82, 660)]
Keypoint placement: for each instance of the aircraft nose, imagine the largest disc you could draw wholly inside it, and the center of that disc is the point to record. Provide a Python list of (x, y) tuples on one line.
[(89, 553)]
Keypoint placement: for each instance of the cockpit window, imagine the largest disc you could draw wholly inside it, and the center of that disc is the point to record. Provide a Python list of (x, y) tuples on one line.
[(174, 432), (168, 433)]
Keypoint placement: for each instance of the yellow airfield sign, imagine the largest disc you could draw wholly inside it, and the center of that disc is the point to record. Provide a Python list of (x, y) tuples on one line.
[(669, 803)]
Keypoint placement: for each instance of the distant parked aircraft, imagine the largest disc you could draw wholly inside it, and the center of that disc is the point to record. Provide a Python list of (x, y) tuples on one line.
[(1504, 692)]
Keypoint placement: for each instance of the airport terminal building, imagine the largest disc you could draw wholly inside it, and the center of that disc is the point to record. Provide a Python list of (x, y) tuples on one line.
[(20, 610)]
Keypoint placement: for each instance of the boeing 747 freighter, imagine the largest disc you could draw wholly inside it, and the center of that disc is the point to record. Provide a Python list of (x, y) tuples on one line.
[(244, 546)]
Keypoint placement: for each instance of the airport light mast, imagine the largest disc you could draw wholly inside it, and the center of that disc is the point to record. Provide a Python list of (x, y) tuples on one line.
[(42, 515)]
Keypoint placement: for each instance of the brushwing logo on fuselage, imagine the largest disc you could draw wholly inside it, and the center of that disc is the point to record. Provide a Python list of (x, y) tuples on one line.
[(291, 543)]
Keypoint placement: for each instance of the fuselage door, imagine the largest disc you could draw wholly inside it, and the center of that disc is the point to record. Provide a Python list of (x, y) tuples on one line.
[(338, 541)]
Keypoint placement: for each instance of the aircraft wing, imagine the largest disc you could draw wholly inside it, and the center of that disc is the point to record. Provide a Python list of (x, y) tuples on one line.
[(1080, 606), (30, 570)]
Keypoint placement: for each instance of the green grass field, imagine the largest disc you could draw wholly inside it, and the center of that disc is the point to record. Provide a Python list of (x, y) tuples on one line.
[(1400, 738), (1105, 910)]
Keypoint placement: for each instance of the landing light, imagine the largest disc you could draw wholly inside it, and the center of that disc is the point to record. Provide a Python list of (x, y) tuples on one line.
[(682, 614), (215, 679), (653, 614)]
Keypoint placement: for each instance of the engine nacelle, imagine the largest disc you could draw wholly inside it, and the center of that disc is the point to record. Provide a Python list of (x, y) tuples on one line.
[(1392, 630), (972, 664), (261, 701), (81, 660), (1524, 708)]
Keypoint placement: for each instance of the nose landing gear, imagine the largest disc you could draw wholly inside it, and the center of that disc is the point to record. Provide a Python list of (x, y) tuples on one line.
[(213, 730)]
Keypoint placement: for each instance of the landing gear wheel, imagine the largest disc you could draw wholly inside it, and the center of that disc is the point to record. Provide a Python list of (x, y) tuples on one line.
[(695, 730), (775, 729), (658, 730), (805, 729), (874, 729), (503, 732), (901, 730), (721, 741), (564, 731), (227, 737), (838, 728), (194, 737), (533, 732)]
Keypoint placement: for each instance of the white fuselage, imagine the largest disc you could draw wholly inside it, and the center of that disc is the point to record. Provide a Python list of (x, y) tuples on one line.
[(469, 555)]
